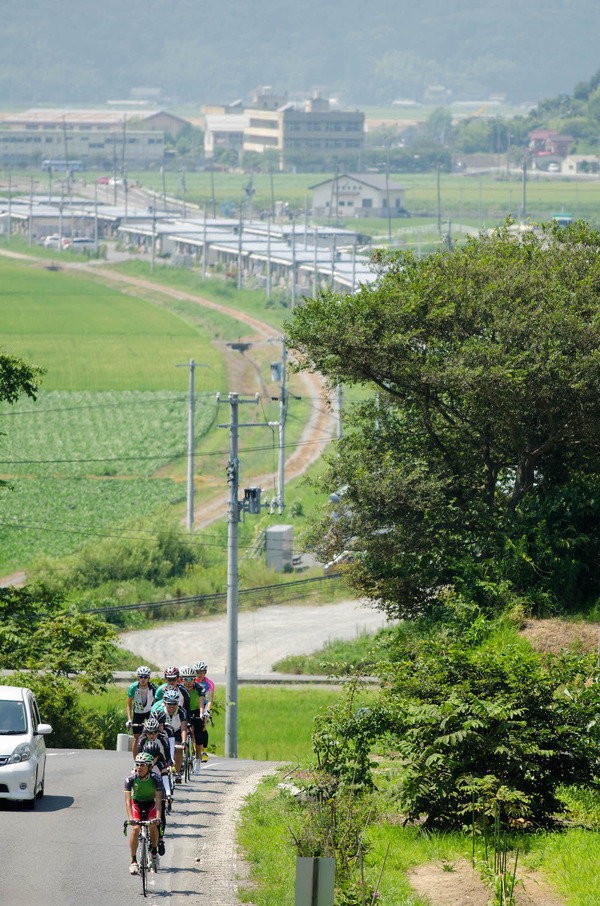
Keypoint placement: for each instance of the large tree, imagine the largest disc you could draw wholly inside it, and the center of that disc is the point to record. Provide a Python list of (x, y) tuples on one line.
[(482, 424), (17, 378)]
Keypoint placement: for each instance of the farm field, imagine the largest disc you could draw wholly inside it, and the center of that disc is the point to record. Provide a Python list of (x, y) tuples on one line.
[(112, 412)]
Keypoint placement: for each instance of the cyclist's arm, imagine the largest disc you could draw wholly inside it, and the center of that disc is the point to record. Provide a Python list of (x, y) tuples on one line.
[(210, 695), (128, 807), (158, 801), (184, 730)]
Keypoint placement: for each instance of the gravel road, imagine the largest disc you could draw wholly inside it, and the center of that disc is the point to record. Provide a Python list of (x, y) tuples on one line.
[(264, 636)]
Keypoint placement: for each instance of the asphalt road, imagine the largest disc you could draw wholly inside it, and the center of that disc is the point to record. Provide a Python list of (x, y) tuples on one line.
[(264, 636), (71, 849)]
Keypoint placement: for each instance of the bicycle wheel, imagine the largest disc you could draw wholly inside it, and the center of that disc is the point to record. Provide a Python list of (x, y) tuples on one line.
[(143, 864), (188, 765)]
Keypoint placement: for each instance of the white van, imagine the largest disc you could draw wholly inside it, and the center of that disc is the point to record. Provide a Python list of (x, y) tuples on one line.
[(80, 244), (22, 746)]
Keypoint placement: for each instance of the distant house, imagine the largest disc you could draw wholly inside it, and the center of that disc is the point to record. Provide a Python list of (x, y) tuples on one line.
[(360, 195), (580, 163), (548, 147)]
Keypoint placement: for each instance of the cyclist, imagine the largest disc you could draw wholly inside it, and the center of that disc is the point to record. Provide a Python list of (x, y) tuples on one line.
[(176, 718), (196, 712), (143, 793), (156, 744), (209, 693), (167, 735), (172, 682), (141, 695)]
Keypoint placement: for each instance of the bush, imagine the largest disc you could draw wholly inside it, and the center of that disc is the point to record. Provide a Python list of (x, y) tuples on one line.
[(73, 727)]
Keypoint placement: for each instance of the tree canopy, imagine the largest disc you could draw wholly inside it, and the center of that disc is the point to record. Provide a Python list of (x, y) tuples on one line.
[(482, 426)]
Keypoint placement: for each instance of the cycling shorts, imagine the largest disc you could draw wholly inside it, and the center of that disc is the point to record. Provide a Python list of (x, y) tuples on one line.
[(143, 811), (137, 722), (198, 728)]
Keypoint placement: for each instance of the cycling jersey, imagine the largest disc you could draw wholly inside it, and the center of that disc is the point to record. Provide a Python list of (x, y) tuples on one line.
[(158, 748), (195, 694), (143, 699), (143, 790), (209, 687), (174, 721), (184, 699)]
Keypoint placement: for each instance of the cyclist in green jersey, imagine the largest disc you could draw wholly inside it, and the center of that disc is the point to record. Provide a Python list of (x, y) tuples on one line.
[(196, 712), (143, 795)]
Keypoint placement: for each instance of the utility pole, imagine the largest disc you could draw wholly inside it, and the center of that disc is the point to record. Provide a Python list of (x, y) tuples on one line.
[(282, 417), (240, 281), (190, 474), (153, 234), (269, 287), (233, 517), (204, 248), (315, 263), (10, 206), (293, 270), (439, 203), (31, 210)]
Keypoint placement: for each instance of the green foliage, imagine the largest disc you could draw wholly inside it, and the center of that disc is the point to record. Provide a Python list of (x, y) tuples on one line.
[(37, 632), (486, 368), (160, 554), (58, 700)]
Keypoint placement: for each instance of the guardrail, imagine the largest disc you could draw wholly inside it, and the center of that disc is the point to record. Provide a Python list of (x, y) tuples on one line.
[(282, 589)]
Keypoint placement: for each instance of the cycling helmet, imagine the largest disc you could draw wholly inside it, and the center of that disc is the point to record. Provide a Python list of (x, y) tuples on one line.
[(200, 666), (151, 725), (160, 715), (171, 697), (144, 758), (143, 671), (171, 673), (187, 672)]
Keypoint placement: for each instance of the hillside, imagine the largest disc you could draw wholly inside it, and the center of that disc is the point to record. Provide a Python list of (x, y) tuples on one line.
[(198, 52)]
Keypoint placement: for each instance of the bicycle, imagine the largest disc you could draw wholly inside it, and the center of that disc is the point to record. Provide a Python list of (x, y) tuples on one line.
[(144, 853), (189, 751)]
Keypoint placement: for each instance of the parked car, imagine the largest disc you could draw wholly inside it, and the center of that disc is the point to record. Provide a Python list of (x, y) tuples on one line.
[(80, 244), (52, 242), (22, 746), (103, 180)]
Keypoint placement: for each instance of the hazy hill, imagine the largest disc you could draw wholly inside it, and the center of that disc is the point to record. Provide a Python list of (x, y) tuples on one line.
[(199, 51)]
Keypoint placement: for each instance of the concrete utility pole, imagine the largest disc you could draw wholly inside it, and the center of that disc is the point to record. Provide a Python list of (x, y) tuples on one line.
[(269, 287), (204, 248), (283, 401), (190, 475), (233, 517), (10, 206)]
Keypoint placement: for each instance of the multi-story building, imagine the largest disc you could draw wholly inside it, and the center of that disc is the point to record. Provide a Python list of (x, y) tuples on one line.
[(314, 128)]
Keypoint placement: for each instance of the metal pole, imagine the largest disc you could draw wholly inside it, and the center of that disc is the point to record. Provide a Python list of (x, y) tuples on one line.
[(269, 287), (96, 216), (282, 416), (190, 471), (9, 206), (31, 211), (204, 249), (315, 263), (231, 686), (305, 222), (293, 272), (153, 234), (240, 281)]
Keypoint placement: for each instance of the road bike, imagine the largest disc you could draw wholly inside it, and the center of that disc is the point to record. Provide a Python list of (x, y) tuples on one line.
[(187, 765), (144, 852)]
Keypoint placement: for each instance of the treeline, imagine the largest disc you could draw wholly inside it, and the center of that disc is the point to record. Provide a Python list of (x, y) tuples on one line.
[(198, 52)]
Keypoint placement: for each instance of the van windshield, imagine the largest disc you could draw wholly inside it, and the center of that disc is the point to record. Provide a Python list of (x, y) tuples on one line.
[(12, 718)]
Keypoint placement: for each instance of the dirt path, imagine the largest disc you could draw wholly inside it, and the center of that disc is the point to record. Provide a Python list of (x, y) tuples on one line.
[(456, 884)]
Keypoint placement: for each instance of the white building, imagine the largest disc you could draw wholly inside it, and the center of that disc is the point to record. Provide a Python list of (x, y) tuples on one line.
[(358, 195)]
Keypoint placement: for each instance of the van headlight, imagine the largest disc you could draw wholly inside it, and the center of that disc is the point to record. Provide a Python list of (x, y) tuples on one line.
[(21, 753)]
